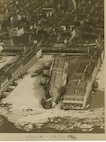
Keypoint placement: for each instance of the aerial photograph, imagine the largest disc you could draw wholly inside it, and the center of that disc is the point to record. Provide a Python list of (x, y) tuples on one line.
[(52, 66)]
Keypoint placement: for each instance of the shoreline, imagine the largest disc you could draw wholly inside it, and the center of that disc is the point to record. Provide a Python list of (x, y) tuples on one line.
[(25, 111)]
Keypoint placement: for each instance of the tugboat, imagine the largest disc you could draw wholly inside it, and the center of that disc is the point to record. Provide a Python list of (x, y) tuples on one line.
[(95, 85)]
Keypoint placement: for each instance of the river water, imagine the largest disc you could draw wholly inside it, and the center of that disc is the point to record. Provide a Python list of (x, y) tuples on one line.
[(8, 127), (30, 101)]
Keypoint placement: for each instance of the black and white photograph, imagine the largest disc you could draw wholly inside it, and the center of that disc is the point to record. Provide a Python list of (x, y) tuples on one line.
[(52, 68)]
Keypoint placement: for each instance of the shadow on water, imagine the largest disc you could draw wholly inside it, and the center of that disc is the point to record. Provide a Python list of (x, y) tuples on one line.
[(8, 127)]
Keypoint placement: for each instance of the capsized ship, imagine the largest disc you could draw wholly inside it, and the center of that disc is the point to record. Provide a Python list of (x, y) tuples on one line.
[(57, 82)]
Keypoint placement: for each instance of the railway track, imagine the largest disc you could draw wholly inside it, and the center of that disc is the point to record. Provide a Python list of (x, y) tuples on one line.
[(18, 68)]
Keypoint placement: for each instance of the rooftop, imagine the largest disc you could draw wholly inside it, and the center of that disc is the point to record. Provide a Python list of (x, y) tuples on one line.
[(76, 85)]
